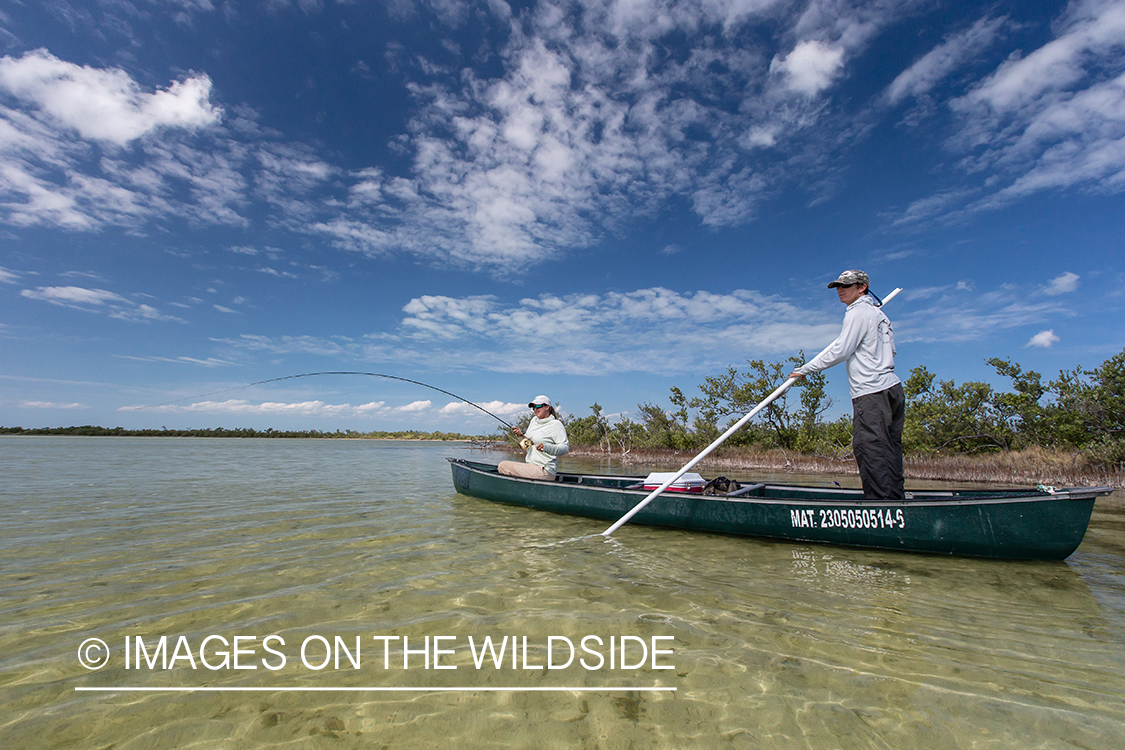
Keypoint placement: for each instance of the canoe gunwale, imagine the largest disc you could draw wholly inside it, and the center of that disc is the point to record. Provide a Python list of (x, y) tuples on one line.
[(920, 498)]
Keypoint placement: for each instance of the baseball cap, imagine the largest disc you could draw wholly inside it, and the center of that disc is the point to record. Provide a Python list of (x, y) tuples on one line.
[(847, 278)]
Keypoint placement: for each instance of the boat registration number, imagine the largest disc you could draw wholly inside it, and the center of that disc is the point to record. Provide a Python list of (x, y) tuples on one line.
[(857, 518)]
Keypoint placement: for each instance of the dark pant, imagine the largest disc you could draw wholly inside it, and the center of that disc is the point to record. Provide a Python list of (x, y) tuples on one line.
[(877, 420)]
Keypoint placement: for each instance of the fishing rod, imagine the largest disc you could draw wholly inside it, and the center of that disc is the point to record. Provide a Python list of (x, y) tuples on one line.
[(339, 372)]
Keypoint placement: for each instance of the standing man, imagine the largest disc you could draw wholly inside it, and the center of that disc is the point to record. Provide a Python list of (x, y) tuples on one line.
[(867, 344)]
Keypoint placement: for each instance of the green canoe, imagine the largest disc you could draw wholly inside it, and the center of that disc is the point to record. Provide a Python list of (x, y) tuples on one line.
[(1029, 524)]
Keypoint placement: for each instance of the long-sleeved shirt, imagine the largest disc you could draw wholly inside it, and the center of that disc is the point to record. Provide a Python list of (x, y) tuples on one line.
[(867, 344), (551, 433)]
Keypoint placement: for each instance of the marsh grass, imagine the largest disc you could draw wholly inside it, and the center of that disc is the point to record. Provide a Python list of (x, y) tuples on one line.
[(1029, 466)]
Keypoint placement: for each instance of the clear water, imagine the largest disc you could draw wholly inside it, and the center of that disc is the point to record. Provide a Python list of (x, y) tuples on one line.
[(773, 644)]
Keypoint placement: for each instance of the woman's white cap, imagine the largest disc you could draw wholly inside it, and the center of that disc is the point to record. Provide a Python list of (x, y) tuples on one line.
[(541, 400)]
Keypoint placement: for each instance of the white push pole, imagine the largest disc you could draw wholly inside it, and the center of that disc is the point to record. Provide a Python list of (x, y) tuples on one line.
[(718, 441)]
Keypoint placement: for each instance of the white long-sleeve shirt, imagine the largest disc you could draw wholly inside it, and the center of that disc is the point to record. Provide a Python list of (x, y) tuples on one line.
[(867, 344), (551, 434)]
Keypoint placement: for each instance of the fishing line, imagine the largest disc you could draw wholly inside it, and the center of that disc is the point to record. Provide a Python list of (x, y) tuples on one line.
[(316, 374)]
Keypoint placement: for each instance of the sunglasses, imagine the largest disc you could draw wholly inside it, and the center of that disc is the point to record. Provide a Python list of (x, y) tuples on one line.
[(539, 406)]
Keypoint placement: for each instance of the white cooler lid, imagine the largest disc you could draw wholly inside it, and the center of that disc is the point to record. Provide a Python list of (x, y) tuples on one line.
[(658, 478)]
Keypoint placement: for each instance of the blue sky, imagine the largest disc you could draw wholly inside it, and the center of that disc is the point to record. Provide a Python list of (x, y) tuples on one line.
[(593, 200)]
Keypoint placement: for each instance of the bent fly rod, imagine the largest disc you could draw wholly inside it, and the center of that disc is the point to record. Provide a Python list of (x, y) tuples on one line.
[(340, 372)]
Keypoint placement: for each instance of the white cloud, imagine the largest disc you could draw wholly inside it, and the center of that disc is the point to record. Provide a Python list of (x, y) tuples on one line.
[(97, 300), (209, 362), (87, 147), (502, 409), (1054, 118), (105, 104), (271, 408), (73, 296), (274, 272), (1063, 284), (811, 67), (647, 330), (1050, 119), (142, 314), (319, 408), (584, 125), (8, 277), (1091, 29), (51, 405), (958, 316), (944, 59), (414, 407), (1043, 339), (654, 330), (591, 125)]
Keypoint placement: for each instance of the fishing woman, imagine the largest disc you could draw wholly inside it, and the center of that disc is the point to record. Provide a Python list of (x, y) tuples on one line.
[(545, 440)]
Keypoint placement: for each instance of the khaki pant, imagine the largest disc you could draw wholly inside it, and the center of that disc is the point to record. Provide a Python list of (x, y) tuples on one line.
[(527, 471)]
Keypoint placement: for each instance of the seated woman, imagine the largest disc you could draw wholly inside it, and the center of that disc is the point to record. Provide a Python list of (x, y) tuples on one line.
[(545, 440)]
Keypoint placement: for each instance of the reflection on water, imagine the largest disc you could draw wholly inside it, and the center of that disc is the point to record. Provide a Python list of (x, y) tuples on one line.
[(775, 644)]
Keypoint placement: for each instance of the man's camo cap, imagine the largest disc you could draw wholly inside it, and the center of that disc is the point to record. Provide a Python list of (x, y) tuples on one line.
[(847, 278)]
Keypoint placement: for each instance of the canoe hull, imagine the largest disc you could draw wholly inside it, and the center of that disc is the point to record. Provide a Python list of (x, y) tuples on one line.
[(1004, 524)]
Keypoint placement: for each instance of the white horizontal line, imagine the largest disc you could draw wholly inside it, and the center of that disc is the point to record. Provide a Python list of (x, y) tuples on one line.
[(133, 689)]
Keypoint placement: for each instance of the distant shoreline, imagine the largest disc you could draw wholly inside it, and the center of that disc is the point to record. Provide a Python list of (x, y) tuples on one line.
[(246, 432)]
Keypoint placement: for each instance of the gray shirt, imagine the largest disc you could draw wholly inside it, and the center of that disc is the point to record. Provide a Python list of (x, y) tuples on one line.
[(867, 344), (551, 433)]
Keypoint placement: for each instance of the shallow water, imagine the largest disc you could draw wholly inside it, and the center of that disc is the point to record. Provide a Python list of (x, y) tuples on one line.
[(772, 644)]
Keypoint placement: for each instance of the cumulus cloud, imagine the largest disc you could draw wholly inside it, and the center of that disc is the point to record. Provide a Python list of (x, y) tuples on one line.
[(64, 129), (811, 67), (502, 409), (82, 148), (1043, 339), (105, 105)]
